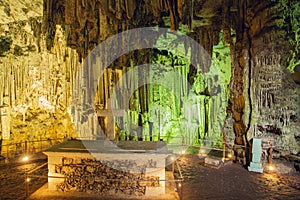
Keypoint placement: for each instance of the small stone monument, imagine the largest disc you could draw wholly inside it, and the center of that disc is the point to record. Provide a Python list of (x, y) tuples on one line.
[(256, 165)]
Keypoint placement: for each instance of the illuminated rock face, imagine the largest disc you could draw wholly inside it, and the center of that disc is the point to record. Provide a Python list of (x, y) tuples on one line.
[(90, 22), (85, 29), (36, 84), (275, 96), (261, 86), (51, 39)]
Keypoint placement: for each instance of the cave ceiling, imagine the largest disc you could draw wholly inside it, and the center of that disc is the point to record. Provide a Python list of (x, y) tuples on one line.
[(110, 17)]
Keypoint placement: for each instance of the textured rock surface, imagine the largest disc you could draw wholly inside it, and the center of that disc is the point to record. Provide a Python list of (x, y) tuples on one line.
[(36, 84), (45, 43), (102, 177), (274, 94)]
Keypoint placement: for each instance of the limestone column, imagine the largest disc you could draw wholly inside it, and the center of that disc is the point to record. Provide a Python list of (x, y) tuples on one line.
[(5, 111)]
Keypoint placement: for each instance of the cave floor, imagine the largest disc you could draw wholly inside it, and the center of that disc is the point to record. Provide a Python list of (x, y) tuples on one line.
[(234, 182), (231, 181)]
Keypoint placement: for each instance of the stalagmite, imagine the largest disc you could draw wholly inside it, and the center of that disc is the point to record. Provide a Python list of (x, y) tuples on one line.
[(5, 115)]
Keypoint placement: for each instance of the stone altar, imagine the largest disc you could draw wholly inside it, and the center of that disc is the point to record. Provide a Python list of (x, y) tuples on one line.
[(128, 160)]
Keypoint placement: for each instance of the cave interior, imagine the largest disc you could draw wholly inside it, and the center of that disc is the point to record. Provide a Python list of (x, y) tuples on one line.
[(199, 72)]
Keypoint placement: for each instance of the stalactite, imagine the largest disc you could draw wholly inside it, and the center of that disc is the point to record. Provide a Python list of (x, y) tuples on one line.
[(129, 7), (172, 6), (109, 16), (1, 86)]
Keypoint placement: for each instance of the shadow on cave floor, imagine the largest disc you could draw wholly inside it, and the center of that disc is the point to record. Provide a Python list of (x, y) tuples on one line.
[(232, 181)]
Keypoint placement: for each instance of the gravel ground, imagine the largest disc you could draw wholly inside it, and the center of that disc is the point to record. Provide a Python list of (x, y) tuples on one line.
[(234, 182), (228, 182), (12, 176)]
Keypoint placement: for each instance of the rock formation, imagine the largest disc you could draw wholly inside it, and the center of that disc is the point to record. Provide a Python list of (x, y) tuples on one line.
[(45, 43), (36, 84)]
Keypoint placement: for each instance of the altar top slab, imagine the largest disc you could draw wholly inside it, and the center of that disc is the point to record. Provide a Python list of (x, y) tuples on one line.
[(105, 146)]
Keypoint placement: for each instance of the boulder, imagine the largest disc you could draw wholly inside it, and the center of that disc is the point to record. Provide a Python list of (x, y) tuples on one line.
[(212, 162)]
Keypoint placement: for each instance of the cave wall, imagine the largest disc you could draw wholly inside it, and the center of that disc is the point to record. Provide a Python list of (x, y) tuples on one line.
[(264, 97), (36, 83), (48, 48), (85, 29), (275, 96)]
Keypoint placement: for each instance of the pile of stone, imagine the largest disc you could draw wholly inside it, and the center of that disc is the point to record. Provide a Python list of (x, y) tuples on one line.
[(125, 177)]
